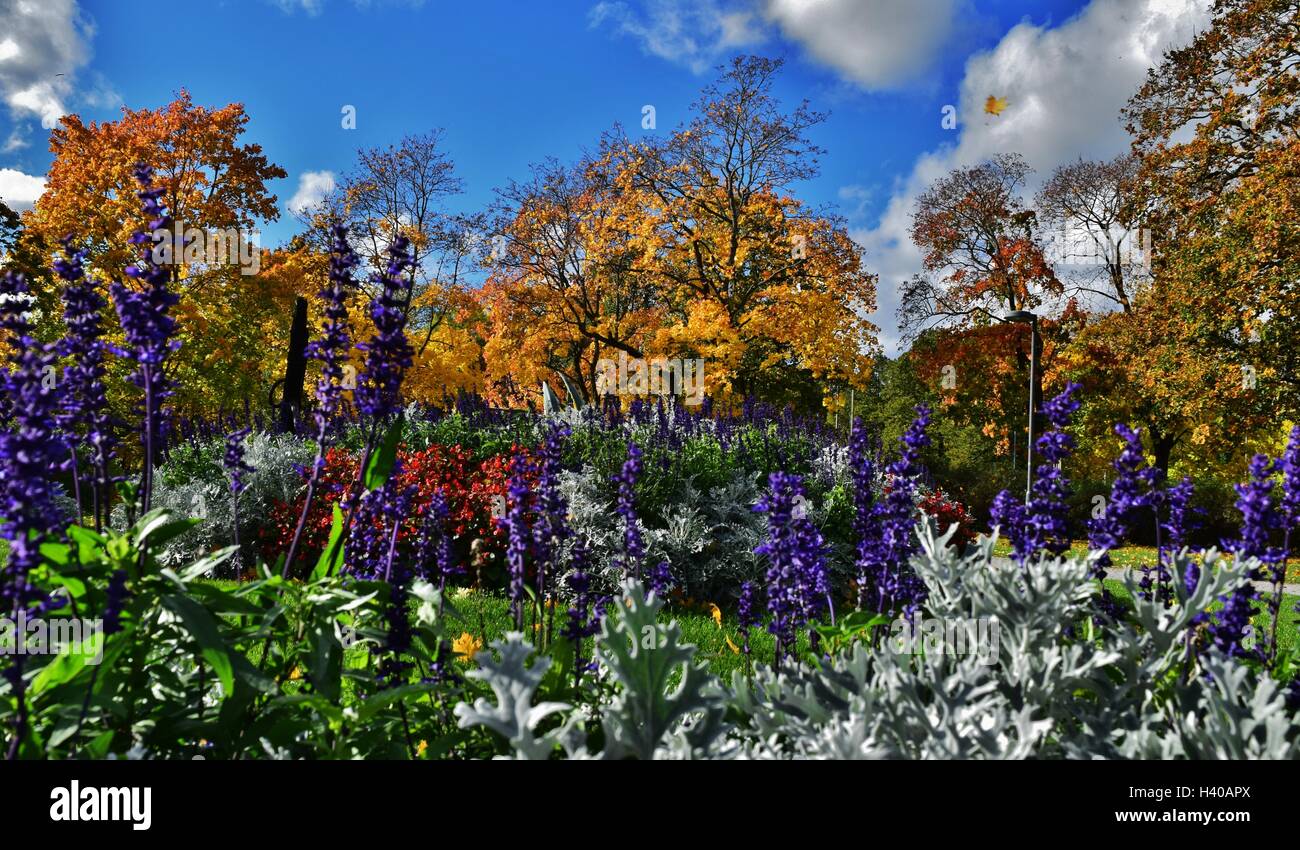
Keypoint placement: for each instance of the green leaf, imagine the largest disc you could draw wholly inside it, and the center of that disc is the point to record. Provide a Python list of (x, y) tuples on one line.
[(207, 564), (332, 557), (202, 626), (88, 542), (221, 665), (382, 461), (222, 602), (56, 553), (373, 705), (70, 661), (325, 669), (99, 747), (559, 678), (158, 527)]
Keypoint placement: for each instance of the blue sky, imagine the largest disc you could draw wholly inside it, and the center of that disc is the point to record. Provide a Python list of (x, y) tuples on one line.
[(512, 83)]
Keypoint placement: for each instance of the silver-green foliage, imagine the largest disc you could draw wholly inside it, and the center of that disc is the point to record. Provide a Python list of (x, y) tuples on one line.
[(275, 458), (707, 536), (1056, 686)]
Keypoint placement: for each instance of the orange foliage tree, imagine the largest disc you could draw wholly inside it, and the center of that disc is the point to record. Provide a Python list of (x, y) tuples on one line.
[(232, 324)]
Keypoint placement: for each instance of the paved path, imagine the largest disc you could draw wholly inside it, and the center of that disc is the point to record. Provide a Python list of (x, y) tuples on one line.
[(1117, 573)]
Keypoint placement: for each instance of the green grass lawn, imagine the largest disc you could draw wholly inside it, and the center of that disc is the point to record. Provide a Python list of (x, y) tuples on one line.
[(486, 617), (700, 629), (1134, 556)]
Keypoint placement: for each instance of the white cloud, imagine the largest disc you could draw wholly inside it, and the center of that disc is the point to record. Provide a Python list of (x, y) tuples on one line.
[(19, 191), (693, 33), (854, 198), (46, 42), (1064, 88), (875, 43), (15, 141), (313, 186)]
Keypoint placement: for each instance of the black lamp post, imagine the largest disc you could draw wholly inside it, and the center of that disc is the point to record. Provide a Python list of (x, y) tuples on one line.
[(1026, 317)]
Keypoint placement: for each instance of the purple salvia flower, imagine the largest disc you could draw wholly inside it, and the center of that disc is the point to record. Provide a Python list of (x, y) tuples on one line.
[(1047, 509), (1180, 523), (885, 561), (585, 613), (85, 414), (1259, 518), (117, 597), (332, 352), (747, 612), (552, 528), (434, 560), (1007, 516), (233, 461), (236, 470), (332, 348), (1041, 524), (661, 579), (633, 546), (862, 473), (376, 517), (517, 546), (798, 584), (30, 448), (388, 354), (148, 329), (1126, 496)]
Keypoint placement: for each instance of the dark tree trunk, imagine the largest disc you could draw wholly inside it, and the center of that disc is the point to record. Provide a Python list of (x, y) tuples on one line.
[(1162, 446), (295, 368)]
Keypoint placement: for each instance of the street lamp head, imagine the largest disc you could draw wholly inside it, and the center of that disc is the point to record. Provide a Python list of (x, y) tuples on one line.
[(1020, 316)]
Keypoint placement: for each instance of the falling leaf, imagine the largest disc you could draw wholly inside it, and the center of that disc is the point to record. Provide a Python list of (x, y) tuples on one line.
[(296, 674), (716, 613), (732, 646), (995, 105), (421, 748), (466, 646)]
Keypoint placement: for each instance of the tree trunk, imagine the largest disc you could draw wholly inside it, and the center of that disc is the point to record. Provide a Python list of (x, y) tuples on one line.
[(1162, 446), (295, 368)]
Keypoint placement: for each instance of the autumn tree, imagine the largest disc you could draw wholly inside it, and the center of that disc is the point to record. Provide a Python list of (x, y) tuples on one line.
[(983, 257), (770, 291), (565, 290), (403, 188), (1216, 130), (983, 253), (396, 189), (210, 180), (229, 319), (1097, 239)]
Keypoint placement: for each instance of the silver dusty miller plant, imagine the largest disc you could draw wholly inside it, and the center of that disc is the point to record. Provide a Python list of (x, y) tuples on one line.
[(708, 536), (275, 459), (1057, 686)]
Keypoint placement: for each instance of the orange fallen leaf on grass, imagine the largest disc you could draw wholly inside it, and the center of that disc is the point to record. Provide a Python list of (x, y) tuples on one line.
[(995, 105), (716, 613), (732, 646)]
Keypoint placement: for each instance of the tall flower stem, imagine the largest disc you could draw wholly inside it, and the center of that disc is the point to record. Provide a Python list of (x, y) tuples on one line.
[(332, 350)]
